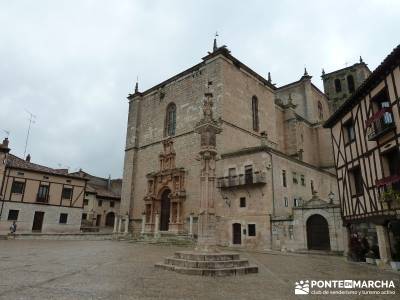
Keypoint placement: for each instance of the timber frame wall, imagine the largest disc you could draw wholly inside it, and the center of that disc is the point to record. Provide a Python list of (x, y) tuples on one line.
[(364, 152)]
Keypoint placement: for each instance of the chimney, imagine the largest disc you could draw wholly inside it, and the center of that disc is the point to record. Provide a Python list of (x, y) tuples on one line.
[(28, 158), (5, 143)]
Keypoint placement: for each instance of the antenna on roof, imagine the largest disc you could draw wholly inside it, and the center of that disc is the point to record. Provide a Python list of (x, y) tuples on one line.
[(32, 119)]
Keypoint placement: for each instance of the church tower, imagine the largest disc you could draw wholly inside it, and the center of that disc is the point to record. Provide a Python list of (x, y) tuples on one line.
[(339, 85)]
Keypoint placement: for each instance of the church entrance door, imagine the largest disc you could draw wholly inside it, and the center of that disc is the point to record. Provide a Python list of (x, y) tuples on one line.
[(165, 210), (318, 233)]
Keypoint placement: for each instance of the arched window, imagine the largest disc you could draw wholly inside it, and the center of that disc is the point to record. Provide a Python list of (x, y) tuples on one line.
[(170, 120), (338, 85), (320, 110), (350, 83), (254, 109)]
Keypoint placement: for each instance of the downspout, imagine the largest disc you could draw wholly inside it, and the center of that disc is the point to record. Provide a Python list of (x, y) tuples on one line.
[(273, 198)]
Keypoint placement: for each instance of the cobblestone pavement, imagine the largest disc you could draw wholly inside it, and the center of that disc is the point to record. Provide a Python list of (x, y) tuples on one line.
[(122, 270)]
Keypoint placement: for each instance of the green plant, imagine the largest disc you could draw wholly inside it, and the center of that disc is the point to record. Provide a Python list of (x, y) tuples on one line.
[(391, 195)]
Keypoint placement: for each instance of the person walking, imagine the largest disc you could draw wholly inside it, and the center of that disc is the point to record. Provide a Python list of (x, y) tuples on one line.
[(13, 228)]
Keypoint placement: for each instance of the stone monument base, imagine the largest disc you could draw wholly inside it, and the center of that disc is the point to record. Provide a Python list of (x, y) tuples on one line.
[(207, 264)]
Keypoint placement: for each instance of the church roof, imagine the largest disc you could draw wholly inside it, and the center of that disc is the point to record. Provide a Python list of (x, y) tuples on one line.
[(374, 78), (223, 50)]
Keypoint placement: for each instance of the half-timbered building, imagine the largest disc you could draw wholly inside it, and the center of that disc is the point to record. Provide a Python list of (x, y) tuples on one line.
[(365, 132), (38, 198)]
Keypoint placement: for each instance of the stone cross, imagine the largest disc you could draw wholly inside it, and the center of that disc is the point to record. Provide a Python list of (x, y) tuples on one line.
[(208, 128)]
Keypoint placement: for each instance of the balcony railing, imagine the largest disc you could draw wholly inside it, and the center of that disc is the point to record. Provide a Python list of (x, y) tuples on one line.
[(256, 178), (389, 187), (380, 123)]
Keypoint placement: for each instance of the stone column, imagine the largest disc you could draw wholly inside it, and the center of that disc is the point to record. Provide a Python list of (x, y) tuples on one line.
[(383, 243), (143, 223), (119, 224), (208, 128), (178, 212), (191, 224), (126, 224), (115, 224), (156, 225)]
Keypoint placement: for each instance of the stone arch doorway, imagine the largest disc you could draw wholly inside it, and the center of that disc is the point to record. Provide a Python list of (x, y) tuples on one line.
[(110, 219), (165, 210), (318, 233), (236, 233)]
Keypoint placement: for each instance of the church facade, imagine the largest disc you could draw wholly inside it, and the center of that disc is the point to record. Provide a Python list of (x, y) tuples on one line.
[(275, 186)]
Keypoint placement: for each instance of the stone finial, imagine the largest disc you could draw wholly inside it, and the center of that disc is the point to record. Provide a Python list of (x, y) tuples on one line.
[(305, 72), (28, 158), (323, 72), (361, 60), (215, 47), (137, 86), (269, 77)]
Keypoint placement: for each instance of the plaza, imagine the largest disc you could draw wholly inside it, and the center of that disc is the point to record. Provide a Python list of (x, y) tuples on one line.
[(46, 269)]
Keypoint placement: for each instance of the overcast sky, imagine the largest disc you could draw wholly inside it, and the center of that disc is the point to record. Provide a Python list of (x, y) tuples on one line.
[(72, 63)]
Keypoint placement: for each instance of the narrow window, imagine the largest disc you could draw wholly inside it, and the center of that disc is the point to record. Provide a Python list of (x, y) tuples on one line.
[(302, 180), (252, 229), (170, 120), (295, 202), (254, 108), (338, 86), (13, 215), (111, 203), (63, 218), (248, 174), (350, 134), (286, 201), (84, 216), (356, 181), (284, 178), (100, 202), (67, 193), (43, 193), (295, 181), (85, 201), (17, 187), (242, 201), (320, 111), (312, 186), (350, 83), (232, 177)]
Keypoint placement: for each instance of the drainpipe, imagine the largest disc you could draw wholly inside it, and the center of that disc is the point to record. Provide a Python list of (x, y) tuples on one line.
[(273, 196)]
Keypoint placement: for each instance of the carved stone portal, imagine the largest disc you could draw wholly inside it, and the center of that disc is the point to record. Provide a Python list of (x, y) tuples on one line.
[(165, 194)]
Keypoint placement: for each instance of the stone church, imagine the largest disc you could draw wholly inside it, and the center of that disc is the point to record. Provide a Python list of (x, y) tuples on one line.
[(275, 184)]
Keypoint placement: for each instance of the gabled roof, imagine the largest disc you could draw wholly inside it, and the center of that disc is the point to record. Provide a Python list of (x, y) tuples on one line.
[(374, 78), (101, 187), (19, 163)]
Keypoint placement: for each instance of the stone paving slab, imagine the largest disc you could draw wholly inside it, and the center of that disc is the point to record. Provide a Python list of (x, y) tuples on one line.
[(122, 270)]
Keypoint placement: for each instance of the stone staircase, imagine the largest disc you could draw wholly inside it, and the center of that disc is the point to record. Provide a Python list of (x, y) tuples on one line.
[(166, 239), (207, 264)]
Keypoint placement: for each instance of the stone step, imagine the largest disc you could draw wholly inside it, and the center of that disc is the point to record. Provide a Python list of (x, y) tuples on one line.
[(209, 272), (190, 255), (216, 264)]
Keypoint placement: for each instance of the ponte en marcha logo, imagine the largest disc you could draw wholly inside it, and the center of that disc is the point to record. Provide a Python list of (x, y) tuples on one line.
[(345, 287)]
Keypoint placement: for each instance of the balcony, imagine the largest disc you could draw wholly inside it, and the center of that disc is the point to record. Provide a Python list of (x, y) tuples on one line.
[(241, 180), (389, 188), (380, 123)]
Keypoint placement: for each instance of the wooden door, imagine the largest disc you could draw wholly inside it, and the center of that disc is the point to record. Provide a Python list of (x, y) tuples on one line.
[(236, 233), (38, 221), (165, 210), (318, 233), (98, 220)]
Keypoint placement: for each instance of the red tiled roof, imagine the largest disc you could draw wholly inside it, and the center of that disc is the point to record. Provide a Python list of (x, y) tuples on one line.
[(19, 163)]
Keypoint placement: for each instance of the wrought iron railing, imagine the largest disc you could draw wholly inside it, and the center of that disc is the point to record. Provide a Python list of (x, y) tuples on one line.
[(379, 123), (242, 180)]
